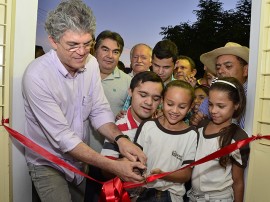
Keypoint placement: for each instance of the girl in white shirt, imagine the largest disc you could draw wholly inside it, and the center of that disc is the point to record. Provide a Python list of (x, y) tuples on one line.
[(221, 179), (169, 144)]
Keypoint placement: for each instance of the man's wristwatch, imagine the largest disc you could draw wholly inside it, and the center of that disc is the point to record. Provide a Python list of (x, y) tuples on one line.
[(120, 136)]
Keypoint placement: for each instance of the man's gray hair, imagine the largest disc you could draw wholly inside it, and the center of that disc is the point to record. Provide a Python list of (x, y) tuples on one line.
[(140, 44), (71, 15)]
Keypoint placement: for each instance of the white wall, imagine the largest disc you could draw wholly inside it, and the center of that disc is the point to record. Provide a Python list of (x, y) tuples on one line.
[(253, 62), (24, 47)]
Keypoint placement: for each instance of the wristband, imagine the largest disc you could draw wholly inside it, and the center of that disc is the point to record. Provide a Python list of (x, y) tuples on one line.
[(120, 136)]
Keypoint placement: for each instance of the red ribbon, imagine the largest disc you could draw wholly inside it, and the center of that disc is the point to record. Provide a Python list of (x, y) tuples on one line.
[(40, 150), (114, 190), (224, 151), (111, 191)]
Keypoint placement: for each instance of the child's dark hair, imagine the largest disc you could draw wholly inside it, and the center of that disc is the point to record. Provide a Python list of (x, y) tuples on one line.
[(144, 77), (237, 95), (204, 88), (180, 84)]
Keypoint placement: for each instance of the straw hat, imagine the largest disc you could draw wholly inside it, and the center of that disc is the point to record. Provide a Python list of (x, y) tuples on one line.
[(231, 48)]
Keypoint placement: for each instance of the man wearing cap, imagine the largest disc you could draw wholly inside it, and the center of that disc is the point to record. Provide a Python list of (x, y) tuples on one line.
[(228, 61)]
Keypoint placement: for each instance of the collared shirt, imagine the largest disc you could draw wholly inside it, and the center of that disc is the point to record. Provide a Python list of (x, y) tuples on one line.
[(204, 109), (131, 74), (127, 103), (210, 177), (116, 89), (167, 150), (59, 108), (172, 79), (128, 125)]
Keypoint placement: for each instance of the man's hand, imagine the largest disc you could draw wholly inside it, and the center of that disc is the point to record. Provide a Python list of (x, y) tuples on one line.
[(191, 80), (131, 151), (196, 118), (125, 171)]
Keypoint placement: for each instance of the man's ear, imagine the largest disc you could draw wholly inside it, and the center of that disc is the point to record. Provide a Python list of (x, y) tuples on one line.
[(52, 42), (245, 71), (129, 92)]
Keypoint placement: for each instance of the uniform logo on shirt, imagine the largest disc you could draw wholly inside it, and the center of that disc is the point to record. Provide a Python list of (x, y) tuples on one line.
[(178, 156)]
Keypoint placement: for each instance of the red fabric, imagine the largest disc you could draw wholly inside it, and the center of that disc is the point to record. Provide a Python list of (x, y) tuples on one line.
[(133, 124), (224, 151), (111, 157), (113, 191), (38, 149)]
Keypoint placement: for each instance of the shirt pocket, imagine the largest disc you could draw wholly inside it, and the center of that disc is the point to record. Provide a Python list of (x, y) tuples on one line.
[(86, 106)]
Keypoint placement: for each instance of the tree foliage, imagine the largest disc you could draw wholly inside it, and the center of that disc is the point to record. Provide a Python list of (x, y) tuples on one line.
[(214, 28)]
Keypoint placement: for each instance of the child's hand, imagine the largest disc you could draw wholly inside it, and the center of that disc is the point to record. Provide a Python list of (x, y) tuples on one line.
[(196, 118), (123, 159), (156, 171), (120, 115), (158, 113)]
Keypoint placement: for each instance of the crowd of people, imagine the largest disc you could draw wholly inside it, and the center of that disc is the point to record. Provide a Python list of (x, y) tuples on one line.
[(82, 106)]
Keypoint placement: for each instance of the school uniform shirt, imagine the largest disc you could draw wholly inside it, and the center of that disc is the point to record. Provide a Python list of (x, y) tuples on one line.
[(167, 150), (59, 108), (210, 176), (128, 125)]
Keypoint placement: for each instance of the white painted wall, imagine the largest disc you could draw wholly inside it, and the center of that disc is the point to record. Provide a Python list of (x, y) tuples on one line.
[(253, 62), (24, 48), (252, 70)]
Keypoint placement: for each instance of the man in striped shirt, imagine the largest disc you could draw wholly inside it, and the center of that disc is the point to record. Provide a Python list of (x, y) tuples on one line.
[(145, 90)]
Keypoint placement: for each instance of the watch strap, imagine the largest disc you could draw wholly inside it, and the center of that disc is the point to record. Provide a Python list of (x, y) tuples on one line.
[(120, 136)]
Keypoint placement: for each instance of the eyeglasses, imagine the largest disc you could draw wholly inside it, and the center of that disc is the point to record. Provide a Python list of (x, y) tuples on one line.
[(75, 48)]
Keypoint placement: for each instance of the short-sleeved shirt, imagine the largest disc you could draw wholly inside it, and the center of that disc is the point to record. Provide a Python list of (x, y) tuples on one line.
[(128, 125), (116, 87), (211, 176), (167, 150), (59, 108), (116, 90)]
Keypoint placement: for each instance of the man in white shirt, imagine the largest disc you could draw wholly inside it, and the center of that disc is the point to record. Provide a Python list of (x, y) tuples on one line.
[(62, 95)]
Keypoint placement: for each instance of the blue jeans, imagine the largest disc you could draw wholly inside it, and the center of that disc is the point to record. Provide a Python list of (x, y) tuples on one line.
[(52, 186), (154, 195)]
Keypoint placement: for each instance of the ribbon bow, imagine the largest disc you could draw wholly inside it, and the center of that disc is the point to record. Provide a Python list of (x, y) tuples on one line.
[(113, 191)]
